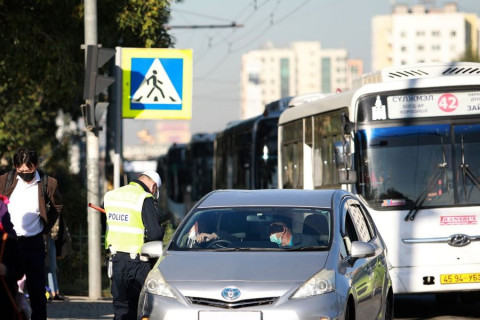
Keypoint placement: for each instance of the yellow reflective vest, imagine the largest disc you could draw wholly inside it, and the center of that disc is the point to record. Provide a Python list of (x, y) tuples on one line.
[(125, 229)]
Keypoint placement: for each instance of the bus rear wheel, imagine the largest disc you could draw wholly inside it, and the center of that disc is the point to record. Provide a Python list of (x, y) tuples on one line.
[(446, 298), (470, 296)]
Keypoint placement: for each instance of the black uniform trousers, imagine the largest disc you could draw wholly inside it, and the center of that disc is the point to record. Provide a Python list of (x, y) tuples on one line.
[(128, 276), (32, 256)]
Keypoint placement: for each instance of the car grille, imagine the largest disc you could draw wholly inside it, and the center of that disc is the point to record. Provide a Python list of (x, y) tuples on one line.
[(232, 305)]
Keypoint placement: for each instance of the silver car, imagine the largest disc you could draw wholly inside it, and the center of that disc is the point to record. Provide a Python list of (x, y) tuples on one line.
[(270, 255)]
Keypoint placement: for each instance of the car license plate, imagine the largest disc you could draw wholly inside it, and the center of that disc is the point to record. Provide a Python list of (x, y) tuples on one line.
[(459, 278), (229, 315)]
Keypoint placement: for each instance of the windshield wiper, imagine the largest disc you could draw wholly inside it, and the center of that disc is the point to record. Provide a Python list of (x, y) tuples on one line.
[(314, 248), (430, 185), (424, 194), (225, 249), (467, 172)]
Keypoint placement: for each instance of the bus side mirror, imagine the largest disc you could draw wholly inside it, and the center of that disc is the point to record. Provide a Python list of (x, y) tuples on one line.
[(347, 176), (340, 155), (343, 162)]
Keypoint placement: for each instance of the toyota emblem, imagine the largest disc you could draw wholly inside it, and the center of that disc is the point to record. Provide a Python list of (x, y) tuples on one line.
[(230, 293)]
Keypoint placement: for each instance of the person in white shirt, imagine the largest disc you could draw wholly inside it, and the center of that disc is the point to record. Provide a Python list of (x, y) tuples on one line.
[(30, 221)]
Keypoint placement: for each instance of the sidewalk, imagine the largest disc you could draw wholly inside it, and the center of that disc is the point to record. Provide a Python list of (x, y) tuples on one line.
[(81, 308)]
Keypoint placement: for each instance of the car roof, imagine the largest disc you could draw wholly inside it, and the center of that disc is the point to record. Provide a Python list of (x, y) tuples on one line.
[(269, 197)]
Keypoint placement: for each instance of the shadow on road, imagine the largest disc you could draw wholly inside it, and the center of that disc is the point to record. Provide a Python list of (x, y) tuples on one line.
[(80, 308), (428, 307)]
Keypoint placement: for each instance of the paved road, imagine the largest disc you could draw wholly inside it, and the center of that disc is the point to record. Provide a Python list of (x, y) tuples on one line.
[(412, 307), (422, 307), (80, 308)]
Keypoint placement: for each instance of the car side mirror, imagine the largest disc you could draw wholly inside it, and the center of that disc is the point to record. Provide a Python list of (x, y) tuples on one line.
[(152, 249), (362, 249)]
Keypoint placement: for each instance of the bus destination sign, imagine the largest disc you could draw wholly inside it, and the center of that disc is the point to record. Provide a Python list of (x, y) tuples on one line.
[(433, 105)]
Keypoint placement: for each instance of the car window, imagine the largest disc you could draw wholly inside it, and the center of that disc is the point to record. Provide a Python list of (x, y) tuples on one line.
[(368, 220), (250, 228), (357, 226), (361, 225), (350, 234)]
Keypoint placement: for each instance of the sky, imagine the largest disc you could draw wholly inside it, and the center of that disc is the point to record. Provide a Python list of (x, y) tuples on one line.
[(217, 51)]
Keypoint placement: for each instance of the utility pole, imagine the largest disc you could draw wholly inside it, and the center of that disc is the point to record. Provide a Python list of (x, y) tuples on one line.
[(93, 219)]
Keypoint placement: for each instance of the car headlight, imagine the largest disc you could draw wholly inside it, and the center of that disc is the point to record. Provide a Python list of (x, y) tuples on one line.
[(320, 283), (156, 284)]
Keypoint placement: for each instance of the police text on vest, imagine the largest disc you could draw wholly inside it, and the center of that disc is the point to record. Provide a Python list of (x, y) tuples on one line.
[(119, 217)]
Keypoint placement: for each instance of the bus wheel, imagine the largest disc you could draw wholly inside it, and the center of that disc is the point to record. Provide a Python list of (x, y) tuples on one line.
[(389, 307), (470, 296), (446, 298)]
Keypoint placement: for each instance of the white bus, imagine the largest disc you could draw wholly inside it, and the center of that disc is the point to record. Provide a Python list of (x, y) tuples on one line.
[(408, 144)]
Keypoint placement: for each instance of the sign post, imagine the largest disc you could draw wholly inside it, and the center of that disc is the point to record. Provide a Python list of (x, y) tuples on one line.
[(151, 84)]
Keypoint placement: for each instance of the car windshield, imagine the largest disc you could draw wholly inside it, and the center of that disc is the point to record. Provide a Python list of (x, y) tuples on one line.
[(238, 229)]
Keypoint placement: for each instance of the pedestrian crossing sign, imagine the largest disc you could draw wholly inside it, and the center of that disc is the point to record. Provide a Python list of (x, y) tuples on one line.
[(156, 83)]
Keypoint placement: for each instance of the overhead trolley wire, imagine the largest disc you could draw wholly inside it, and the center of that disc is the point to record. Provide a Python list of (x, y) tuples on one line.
[(271, 24)]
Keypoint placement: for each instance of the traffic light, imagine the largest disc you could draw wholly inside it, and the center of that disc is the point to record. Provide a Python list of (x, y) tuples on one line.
[(95, 83)]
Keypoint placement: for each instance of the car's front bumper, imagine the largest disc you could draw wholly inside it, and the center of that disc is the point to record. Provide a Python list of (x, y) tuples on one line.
[(325, 306)]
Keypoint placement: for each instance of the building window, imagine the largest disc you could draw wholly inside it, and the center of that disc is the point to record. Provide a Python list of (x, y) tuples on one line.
[(253, 78), (420, 47), (403, 48), (326, 75), (435, 33), (284, 77), (453, 33), (420, 33)]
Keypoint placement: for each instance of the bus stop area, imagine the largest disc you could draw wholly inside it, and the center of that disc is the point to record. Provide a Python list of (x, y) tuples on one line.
[(81, 308)]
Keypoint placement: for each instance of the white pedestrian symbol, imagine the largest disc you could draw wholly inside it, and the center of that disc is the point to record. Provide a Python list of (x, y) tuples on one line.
[(156, 87)]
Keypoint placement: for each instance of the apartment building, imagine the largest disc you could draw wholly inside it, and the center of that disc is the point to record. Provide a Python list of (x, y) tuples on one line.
[(270, 73), (421, 33)]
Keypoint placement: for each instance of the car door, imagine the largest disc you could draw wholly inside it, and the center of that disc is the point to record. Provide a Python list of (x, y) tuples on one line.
[(378, 263), (362, 278)]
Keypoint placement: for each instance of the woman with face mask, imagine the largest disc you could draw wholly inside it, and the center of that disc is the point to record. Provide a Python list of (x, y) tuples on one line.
[(31, 220)]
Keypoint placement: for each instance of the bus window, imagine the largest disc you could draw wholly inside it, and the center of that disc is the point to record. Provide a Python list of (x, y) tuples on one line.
[(327, 130), (292, 156), (467, 151)]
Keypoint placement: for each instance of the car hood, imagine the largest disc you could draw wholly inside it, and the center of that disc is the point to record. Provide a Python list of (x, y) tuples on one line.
[(241, 266)]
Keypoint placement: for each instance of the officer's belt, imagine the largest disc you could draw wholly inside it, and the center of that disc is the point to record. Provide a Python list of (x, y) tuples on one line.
[(132, 255)]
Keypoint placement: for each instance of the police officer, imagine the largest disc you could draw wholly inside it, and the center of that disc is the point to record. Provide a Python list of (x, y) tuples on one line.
[(132, 219)]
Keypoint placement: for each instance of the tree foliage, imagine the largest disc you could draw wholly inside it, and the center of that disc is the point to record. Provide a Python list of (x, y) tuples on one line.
[(42, 71), (42, 64)]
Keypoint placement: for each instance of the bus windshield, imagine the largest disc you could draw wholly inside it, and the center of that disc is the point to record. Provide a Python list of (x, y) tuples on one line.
[(420, 166)]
